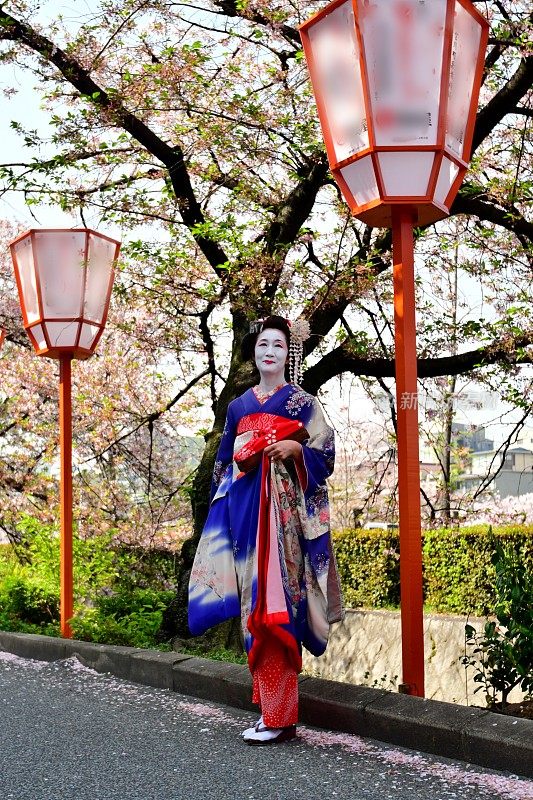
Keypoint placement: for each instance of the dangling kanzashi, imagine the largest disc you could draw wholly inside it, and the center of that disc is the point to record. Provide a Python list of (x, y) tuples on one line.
[(300, 332)]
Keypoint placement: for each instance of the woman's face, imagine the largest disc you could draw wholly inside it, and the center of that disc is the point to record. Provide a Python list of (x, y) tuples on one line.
[(271, 353)]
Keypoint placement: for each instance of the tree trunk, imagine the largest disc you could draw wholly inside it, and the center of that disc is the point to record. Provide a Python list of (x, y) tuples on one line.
[(240, 378), (447, 455)]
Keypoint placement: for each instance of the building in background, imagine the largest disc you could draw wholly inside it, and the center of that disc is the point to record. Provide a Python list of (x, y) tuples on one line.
[(512, 469)]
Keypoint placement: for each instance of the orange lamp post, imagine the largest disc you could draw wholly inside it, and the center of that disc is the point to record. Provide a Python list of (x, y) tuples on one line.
[(2, 337), (64, 279), (396, 84)]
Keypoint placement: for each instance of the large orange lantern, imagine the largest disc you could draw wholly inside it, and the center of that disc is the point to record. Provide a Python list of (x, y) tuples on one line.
[(396, 84), (64, 280)]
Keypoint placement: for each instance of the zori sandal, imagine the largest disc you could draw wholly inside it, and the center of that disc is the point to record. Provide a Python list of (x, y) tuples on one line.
[(253, 728), (261, 735)]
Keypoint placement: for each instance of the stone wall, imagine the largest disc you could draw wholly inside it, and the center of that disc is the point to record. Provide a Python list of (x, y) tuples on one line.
[(365, 648)]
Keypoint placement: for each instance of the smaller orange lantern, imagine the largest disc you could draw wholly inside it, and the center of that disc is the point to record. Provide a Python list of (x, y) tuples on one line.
[(64, 280)]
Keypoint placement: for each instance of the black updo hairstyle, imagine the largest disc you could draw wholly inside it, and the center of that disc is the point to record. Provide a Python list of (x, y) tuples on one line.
[(248, 343)]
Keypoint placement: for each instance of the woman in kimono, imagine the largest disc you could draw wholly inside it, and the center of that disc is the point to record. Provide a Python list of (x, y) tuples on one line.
[(265, 553)]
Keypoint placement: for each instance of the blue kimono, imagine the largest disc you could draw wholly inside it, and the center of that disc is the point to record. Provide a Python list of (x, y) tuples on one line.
[(265, 553)]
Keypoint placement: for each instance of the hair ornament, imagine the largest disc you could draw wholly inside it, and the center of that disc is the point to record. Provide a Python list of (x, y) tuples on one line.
[(300, 332), (256, 325)]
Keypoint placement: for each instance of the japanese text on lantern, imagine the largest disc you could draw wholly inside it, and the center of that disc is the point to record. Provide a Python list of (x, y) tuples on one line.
[(404, 66)]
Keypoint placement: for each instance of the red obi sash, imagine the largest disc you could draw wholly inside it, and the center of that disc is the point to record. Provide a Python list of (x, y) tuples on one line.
[(266, 429)]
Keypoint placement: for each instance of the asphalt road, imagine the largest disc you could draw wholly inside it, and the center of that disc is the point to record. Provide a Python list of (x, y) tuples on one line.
[(68, 733)]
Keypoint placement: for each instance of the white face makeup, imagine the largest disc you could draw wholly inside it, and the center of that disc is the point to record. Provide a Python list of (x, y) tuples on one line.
[(271, 354)]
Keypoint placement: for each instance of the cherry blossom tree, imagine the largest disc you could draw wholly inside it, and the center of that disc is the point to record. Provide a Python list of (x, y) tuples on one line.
[(194, 123)]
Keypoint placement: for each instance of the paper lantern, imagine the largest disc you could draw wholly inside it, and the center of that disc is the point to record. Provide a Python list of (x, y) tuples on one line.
[(396, 84), (64, 279)]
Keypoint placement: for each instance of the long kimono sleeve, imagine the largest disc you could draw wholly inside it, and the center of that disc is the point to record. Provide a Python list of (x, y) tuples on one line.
[(324, 600), (213, 591), (318, 453), (223, 468)]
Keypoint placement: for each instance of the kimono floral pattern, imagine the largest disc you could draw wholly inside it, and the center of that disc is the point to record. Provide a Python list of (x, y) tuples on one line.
[(218, 471), (290, 534), (298, 401)]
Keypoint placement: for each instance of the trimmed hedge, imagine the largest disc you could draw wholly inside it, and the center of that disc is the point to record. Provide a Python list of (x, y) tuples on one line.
[(458, 573), (369, 567)]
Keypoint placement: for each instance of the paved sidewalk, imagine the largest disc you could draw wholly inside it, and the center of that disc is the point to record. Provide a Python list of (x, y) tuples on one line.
[(69, 732), (470, 735)]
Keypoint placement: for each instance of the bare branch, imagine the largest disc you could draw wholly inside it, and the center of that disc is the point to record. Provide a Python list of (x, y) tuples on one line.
[(230, 9), (508, 218), (116, 113), (503, 101), (340, 360), (151, 418), (501, 451), (210, 350)]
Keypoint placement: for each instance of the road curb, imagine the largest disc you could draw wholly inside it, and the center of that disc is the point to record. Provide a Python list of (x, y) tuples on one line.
[(474, 735)]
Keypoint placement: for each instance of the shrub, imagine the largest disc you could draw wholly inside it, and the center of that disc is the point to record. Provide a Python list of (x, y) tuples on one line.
[(109, 605), (151, 568), (95, 563), (369, 567), (458, 573), (131, 618), (29, 600), (502, 654)]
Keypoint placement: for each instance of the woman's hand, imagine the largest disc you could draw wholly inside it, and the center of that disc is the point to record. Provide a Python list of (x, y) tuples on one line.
[(280, 451)]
